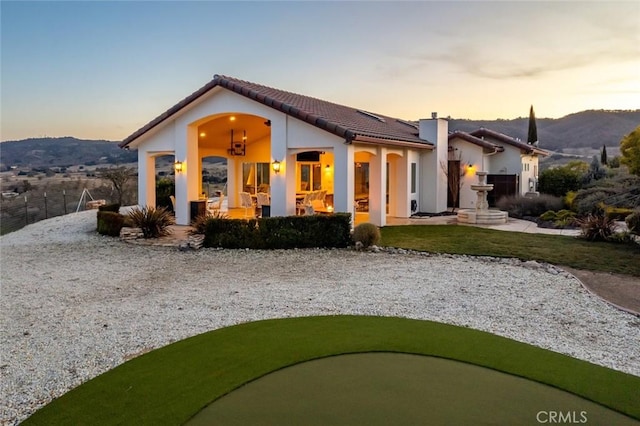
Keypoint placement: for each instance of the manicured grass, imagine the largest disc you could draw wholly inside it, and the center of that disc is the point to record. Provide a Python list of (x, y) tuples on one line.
[(381, 388), (169, 385), (555, 249)]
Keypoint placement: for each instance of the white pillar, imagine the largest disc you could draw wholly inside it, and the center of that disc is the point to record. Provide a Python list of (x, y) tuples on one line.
[(378, 187), (283, 184), (400, 172), (186, 146), (146, 179), (343, 186)]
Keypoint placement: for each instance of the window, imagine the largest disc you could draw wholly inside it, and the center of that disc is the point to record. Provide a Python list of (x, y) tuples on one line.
[(310, 177), (525, 167), (413, 177), (255, 177)]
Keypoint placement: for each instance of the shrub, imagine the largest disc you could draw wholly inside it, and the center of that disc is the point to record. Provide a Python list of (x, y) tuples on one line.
[(559, 181), (588, 201), (548, 215), (200, 223), (617, 213), (367, 234), (115, 207), (110, 223), (569, 199), (595, 227), (153, 222), (278, 232), (164, 189), (624, 237), (633, 222), (519, 206)]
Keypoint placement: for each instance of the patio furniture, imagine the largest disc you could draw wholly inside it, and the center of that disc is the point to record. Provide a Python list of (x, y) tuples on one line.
[(306, 201), (173, 202), (264, 204), (215, 206), (246, 203)]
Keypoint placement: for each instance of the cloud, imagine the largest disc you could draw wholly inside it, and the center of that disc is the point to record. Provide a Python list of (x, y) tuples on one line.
[(494, 43)]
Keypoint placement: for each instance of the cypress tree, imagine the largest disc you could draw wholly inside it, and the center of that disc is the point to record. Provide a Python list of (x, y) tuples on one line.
[(532, 136), (603, 156)]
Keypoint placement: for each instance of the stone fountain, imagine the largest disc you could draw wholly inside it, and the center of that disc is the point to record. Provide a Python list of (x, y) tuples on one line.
[(481, 215)]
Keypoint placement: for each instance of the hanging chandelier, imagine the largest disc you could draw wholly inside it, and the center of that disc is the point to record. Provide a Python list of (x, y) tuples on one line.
[(238, 147)]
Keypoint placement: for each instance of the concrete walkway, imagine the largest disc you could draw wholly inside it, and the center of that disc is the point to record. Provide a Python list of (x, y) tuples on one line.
[(513, 225)]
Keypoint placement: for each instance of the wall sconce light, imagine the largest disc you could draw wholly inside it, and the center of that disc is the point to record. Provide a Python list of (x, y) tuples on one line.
[(178, 166), (276, 166), (327, 168)]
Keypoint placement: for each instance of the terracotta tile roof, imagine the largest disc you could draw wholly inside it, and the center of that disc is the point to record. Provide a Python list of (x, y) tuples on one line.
[(529, 149), (474, 140), (346, 122)]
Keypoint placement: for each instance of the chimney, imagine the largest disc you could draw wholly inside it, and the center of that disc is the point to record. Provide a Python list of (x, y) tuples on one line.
[(433, 195)]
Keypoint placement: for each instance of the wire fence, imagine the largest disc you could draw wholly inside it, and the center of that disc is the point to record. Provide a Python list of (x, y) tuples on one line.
[(20, 210)]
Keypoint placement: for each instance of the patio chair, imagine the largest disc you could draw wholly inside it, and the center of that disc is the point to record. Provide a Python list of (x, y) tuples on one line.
[(173, 202), (246, 203), (263, 199), (215, 206), (306, 201)]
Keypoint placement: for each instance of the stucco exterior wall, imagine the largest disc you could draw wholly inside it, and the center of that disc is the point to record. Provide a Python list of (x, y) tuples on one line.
[(473, 156)]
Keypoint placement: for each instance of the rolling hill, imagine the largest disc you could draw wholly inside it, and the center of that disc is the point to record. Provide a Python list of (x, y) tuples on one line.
[(587, 129)]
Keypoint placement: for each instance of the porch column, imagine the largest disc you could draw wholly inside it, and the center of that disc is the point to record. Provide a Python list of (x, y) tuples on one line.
[(378, 188), (146, 179), (343, 183), (186, 146), (232, 181), (400, 190), (283, 184)]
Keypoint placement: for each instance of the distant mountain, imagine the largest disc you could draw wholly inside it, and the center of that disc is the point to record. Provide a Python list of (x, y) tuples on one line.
[(62, 152), (586, 129)]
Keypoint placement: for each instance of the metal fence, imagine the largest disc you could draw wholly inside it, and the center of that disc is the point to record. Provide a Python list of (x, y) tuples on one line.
[(17, 211)]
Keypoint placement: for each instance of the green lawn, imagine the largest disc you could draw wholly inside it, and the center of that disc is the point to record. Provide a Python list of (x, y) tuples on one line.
[(555, 249), (169, 385)]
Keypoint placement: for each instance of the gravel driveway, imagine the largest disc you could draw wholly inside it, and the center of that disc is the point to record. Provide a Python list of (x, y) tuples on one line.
[(75, 304)]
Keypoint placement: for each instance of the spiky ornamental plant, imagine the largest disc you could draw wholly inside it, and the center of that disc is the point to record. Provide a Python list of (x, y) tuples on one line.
[(532, 135), (153, 222)]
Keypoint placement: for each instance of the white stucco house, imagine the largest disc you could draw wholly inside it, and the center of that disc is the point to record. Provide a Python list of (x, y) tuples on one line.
[(290, 144), (512, 164)]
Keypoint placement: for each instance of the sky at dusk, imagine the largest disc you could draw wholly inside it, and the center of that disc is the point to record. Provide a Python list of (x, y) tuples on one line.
[(101, 70)]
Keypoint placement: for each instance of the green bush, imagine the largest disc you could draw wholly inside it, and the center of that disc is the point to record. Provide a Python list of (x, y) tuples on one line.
[(617, 213), (633, 222), (596, 227), (278, 232), (519, 206), (110, 223), (164, 189), (115, 207), (367, 234), (589, 201), (548, 215), (559, 181), (153, 222)]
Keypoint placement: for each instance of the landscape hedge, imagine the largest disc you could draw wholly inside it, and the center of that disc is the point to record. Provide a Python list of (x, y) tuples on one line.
[(110, 223), (115, 207), (279, 232)]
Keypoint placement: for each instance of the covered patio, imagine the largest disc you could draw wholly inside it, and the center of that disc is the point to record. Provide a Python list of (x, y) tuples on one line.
[(293, 153)]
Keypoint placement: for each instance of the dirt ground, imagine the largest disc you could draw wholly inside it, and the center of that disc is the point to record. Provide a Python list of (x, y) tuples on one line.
[(621, 290)]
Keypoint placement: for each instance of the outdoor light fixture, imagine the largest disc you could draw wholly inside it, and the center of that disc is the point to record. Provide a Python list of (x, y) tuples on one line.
[(238, 147), (178, 166), (276, 166)]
